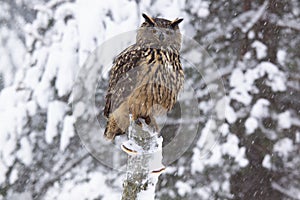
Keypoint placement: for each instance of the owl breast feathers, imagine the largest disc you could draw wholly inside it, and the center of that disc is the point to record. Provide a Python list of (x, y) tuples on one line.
[(146, 77)]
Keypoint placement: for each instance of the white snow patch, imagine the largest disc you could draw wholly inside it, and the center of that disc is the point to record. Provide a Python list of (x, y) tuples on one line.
[(225, 111), (197, 164), (25, 152), (206, 133), (199, 161), (69, 63), (220, 108), (281, 55), (3, 170), (31, 108), (284, 120), (230, 114), (237, 78), (260, 108), (149, 193), (88, 189), (226, 186), (297, 140), (283, 147), (32, 76), (267, 162), (241, 157), (204, 192), (67, 132), (261, 49), (201, 8), (251, 34), (224, 129), (183, 188), (231, 148), (56, 112), (251, 125), (13, 176), (244, 83), (276, 78), (79, 109), (180, 171), (214, 158)]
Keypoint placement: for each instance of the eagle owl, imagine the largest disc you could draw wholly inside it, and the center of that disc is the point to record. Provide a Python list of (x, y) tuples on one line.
[(146, 77)]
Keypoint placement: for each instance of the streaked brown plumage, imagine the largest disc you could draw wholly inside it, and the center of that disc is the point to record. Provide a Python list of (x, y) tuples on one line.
[(146, 77)]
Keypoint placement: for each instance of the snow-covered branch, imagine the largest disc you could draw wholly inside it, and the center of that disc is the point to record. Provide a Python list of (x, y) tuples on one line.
[(244, 21), (290, 194)]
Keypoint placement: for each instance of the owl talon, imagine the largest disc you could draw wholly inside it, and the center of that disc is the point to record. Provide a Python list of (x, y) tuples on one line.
[(131, 148), (158, 171), (128, 151), (147, 120)]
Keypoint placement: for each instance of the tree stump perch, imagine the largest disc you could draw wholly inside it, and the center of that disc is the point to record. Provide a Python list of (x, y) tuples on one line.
[(144, 164)]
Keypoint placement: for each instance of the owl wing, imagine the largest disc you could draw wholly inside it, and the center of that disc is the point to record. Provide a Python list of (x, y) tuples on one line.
[(122, 78)]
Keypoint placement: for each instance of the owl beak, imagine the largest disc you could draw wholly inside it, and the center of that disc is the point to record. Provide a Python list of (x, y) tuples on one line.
[(161, 37)]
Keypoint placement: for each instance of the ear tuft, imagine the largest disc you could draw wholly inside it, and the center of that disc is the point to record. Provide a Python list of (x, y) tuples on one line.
[(176, 22), (148, 19)]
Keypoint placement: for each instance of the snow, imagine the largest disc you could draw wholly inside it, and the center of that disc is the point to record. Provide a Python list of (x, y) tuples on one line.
[(225, 111), (201, 8), (284, 120), (230, 114), (67, 132), (25, 152), (183, 188), (31, 108), (207, 134), (79, 109), (267, 162), (93, 187), (69, 65), (3, 170), (231, 148), (260, 109), (281, 55), (240, 158), (56, 112), (276, 78), (243, 82), (180, 171), (251, 34), (13, 176), (214, 158), (12, 51), (260, 48), (283, 147), (237, 78), (149, 193), (238, 82), (251, 125), (297, 140), (23, 195)]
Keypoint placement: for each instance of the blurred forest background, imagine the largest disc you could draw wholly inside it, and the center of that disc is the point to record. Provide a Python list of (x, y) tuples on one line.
[(254, 44)]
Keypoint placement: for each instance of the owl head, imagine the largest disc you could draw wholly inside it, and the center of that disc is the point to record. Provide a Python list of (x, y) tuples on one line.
[(159, 33)]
